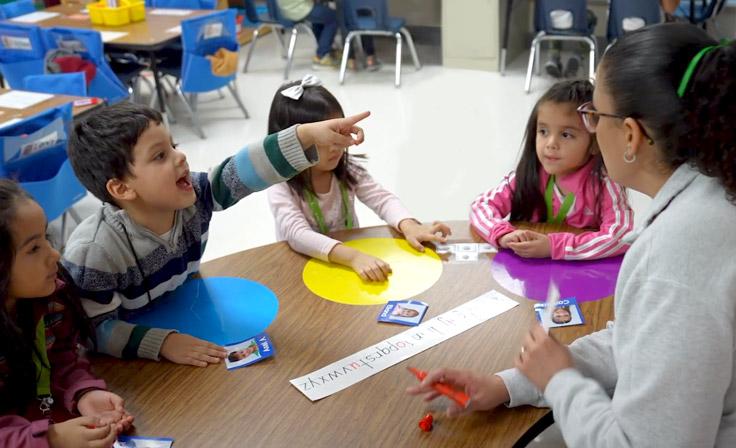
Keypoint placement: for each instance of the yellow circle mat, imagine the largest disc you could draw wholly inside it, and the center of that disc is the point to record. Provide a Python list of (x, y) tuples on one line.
[(413, 272)]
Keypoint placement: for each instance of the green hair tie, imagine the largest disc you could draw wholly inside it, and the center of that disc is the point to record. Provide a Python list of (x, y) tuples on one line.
[(691, 69)]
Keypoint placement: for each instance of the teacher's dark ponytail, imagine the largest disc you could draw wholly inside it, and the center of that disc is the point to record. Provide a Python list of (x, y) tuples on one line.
[(643, 72)]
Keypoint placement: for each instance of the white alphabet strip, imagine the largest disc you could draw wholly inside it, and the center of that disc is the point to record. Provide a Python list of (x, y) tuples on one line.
[(359, 366)]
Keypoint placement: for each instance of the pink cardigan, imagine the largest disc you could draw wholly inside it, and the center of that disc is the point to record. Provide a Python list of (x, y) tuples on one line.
[(612, 216), (296, 225)]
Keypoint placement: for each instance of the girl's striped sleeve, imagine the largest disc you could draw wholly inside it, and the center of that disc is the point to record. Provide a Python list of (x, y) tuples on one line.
[(617, 220)]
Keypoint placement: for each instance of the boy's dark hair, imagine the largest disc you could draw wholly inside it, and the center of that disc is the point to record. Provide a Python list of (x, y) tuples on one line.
[(698, 129), (316, 104), (101, 145), (17, 334), (528, 199)]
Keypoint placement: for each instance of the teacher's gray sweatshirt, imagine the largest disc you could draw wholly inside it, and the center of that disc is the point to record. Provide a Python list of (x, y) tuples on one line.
[(663, 375)]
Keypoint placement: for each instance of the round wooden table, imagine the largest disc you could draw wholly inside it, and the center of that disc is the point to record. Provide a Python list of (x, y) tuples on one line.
[(257, 406)]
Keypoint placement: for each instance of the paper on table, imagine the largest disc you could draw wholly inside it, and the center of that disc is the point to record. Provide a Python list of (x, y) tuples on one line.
[(34, 17), (176, 29), (108, 36), (9, 122), (19, 99), (170, 12), (359, 366)]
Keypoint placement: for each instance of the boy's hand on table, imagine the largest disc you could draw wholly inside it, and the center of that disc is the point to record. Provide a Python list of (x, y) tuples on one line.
[(184, 349)]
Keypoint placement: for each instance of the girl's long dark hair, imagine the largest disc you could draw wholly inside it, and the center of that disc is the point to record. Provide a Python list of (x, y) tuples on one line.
[(642, 72), (18, 383), (316, 104), (528, 200)]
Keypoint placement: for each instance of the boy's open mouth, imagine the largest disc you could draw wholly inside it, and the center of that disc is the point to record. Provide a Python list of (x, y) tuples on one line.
[(185, 182)]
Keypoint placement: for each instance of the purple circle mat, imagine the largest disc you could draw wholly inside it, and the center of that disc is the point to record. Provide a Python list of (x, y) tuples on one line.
[(530, 277)]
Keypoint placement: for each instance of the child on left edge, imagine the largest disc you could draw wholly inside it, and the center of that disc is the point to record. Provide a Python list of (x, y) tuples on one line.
[(41, 321)]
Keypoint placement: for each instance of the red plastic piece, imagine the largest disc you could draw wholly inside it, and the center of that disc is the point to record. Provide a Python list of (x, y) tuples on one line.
[(426, 423)]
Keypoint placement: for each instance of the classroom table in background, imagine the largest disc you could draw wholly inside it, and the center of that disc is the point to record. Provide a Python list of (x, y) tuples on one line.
[(257, 406), (56, 100), (150, 35)]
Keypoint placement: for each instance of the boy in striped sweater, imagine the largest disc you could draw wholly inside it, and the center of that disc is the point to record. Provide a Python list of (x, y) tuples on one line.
[(149, 235)]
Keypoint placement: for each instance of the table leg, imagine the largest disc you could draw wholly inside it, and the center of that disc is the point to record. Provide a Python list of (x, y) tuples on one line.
[(692, 11), (505, 46), (159, 89)]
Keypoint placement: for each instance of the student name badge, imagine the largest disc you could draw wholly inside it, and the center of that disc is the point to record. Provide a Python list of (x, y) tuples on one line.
[(212, 30), (403, 312), (249, 351), (566, 314), (143, 442)]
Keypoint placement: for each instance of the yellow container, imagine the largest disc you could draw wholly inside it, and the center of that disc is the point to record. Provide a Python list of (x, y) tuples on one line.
[(95, 13), (137, 10), (110, 16)]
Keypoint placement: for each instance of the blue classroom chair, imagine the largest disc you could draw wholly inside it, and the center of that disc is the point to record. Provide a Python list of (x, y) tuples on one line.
[(576, 29), (370, 18), (278, 22), (22, 51), (58, 83), (637, 13), (17, 8), (33, 152), (201, 37), (259, 16), (88, 45), (182, 4)]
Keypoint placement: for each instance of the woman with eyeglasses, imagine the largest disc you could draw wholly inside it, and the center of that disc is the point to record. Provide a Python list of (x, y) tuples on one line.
[(663, 111)]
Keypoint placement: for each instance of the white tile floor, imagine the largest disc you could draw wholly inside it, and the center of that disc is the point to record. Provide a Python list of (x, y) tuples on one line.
[(443, 137)]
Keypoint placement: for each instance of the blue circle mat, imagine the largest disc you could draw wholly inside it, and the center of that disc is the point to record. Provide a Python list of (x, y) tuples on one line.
[(222, 310)]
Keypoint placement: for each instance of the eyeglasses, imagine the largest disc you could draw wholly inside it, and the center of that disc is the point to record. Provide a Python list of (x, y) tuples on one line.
[(590, 116)]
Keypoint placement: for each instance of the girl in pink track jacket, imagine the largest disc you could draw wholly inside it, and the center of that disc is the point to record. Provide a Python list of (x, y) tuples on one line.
[(560, 179)]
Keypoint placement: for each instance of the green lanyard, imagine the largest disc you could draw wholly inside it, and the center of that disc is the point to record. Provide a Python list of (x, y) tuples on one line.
[(564, 208), (317, 212), (43, 386)]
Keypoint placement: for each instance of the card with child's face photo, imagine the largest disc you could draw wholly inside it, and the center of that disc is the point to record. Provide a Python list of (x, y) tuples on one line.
[(566, 313), (403, 312), (143, 442), (249, 351)]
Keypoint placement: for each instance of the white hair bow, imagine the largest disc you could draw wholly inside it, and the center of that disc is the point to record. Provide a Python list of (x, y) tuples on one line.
[(296, 92)]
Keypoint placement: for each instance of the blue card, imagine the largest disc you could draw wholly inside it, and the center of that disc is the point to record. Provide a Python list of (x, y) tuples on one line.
[(566, 313), (249, 351), (403, 312), (143, 442)]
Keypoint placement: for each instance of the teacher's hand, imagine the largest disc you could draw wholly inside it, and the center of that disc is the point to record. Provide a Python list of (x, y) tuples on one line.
[(542, 356), (485, 391)]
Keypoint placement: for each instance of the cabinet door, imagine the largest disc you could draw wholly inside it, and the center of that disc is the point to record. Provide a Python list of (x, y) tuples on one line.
[(470, 33)]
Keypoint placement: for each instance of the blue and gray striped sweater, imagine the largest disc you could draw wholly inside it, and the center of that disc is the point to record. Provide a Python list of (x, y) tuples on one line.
[(102, 264)]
